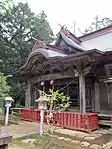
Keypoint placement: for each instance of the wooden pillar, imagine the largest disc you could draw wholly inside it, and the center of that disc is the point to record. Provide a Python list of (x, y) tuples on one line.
[(97, 97), (28, 97), (82, 92), (35, 94), (34, 97)]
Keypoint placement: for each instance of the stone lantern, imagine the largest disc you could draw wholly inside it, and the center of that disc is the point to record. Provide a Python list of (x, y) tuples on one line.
[(42, 103), (8, 101), (42, 107)]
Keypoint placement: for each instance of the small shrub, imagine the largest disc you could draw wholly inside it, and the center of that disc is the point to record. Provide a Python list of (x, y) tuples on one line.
[(19, 106)]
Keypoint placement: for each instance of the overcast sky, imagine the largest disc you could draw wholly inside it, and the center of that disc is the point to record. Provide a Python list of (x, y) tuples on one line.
[(66, 12)]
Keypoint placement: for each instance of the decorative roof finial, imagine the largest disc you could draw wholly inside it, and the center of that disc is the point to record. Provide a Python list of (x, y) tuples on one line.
[(62, 27)]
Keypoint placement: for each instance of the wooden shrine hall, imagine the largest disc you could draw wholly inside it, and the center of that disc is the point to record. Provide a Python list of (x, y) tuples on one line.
[(85, 75)]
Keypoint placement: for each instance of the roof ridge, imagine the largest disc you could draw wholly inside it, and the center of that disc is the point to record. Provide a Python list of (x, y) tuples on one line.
[(108, 28)]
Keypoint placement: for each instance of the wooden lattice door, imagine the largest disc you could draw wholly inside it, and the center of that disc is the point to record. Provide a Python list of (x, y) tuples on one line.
[(89, 95)]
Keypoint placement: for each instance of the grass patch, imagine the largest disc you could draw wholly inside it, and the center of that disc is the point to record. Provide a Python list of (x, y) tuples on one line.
[(31, 136), (17, 144), (46, 142)]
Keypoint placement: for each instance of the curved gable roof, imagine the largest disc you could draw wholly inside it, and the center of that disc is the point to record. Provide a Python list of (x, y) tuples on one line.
[(69, 39)]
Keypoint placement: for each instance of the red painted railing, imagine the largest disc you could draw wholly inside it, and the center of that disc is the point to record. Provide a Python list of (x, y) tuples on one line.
[(76, 121), (87, 121)]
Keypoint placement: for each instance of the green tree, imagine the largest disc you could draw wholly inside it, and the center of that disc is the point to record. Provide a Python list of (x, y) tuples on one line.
[(4, 88), (5, 6), (98, 24), (55, 101), (18, 28)]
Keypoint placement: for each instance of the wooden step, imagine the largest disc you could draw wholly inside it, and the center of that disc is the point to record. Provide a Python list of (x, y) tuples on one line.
[(105, 122)]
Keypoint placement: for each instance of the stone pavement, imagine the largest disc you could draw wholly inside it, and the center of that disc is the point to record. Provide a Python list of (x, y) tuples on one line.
[(25, 128)]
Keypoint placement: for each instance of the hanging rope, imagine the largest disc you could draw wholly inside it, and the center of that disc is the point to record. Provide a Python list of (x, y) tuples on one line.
[(66, 85)]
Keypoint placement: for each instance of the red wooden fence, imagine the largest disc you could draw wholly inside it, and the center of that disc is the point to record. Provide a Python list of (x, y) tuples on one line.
[(76, 121)]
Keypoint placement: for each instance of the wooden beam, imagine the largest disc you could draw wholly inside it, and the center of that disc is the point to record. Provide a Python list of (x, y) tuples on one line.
[(73, 80), (53, 76), (82, 92)]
